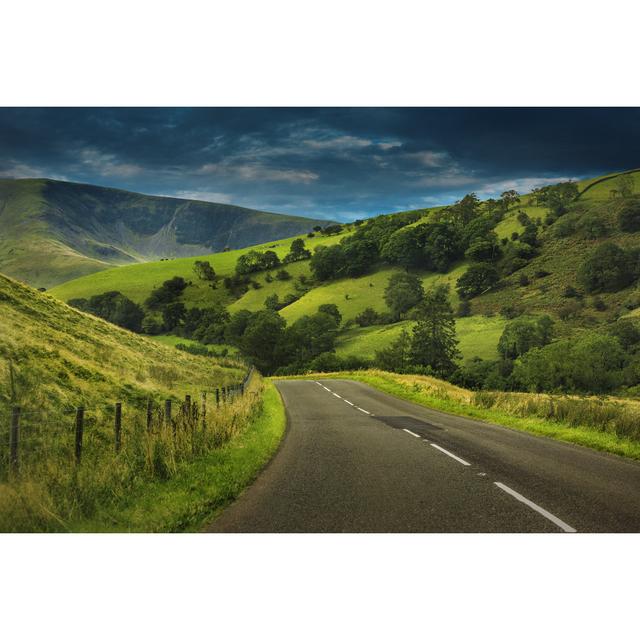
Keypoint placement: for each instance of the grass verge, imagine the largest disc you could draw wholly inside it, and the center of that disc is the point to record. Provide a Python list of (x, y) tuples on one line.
[(590, 422), (201, 488), (114, 494)]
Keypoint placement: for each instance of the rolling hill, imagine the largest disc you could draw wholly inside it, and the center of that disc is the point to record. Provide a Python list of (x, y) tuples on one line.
[(54, 231), (535, 288), (61, 357)]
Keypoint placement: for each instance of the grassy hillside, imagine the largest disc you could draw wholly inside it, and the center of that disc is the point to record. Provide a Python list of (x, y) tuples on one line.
[(55, 231), (53, 359), (539, 287), (62, 358)]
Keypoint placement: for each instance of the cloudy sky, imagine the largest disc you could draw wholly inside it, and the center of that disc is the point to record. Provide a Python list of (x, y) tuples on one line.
[(336, 163)]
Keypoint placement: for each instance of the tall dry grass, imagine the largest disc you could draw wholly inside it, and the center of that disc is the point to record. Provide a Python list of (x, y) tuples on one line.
[(49, 490)]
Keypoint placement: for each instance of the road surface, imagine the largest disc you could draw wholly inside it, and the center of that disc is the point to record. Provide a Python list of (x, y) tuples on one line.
[(355, 459)]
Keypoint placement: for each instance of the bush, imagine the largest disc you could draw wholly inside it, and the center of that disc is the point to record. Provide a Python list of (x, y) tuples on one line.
[(599, 304), (367, 317), (608, 268), (283, 274), (629, 217), (476, 280), (569, 310), (523, 280)]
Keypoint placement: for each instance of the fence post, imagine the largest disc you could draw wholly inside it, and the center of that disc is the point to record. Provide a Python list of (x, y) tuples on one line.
[(224, 394), (186, 409), (167, 413), (14, 438), (118, 426), (149, 414), (203, 409), (217, 398), (79, 432)]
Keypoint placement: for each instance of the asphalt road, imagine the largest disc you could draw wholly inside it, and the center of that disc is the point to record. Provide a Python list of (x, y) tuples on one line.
[(355, 459)]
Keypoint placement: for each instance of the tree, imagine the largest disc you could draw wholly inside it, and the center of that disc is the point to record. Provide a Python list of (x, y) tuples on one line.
[(327, 263), (485, 250), (332, 229), (403, 291), (359, 256), (297, 252), (269, 260), (608, 268), (367, 317), (522, 334), (433, 343), (173, 314), (626, 332), (212, 324), (441, 245), (626, 186), (476, 280), (204, 270), (629, 217), (403, 248), (332, 310), (272, 302), (113, 307), (262, 339), (395, 357), (309, 336), (464, 211), (236, 326), (283, 274), (169, 291), (509, 198)]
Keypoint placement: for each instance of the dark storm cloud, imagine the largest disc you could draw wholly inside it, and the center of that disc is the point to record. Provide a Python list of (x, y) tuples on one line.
[(331, 162)]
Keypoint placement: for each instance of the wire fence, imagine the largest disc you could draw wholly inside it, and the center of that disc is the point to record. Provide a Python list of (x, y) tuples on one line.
[(82, 434)]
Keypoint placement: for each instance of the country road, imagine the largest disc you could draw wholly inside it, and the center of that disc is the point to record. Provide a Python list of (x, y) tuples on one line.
[(355, 459)]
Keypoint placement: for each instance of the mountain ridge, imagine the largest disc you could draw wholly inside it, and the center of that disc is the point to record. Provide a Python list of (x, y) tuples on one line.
[(53, 231)]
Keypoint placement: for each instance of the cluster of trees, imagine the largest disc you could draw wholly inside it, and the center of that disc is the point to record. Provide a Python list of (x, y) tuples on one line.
[(556, 198), (113, 307), (253, 261), (432, 346)]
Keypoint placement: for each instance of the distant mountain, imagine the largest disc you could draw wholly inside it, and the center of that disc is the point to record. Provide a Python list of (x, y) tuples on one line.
[(53, 231)]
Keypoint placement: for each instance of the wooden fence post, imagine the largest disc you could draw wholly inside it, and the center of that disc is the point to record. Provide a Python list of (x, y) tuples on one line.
[(167, 413), (79, 432), (217, 398), (203, 409), (224, 394), (149, 414), (14, 438), (118, 426)]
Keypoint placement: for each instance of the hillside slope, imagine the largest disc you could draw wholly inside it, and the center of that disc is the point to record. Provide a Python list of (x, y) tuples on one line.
[(54, 231), (53, 357), (537, 286)]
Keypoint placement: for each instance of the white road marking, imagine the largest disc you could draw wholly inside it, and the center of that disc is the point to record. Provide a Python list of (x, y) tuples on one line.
[(351, 403), (543, 512), (336, 395), (363, 410), (415, 435), (451, 455)]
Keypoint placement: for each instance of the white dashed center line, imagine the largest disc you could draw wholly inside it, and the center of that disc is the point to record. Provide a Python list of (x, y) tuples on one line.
[(336, 395), (347, 401), (363, 410), (415, 435), (451, 455), (543, 512)]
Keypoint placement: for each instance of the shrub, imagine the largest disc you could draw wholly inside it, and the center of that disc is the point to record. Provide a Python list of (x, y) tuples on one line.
[(570, 309), (283, 274), (476, 280), (629, 217), (523, 280), (608, 268), (367, 317), (464, 309)]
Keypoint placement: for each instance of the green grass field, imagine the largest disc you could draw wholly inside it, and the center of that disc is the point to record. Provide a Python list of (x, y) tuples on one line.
[(478, 336)]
